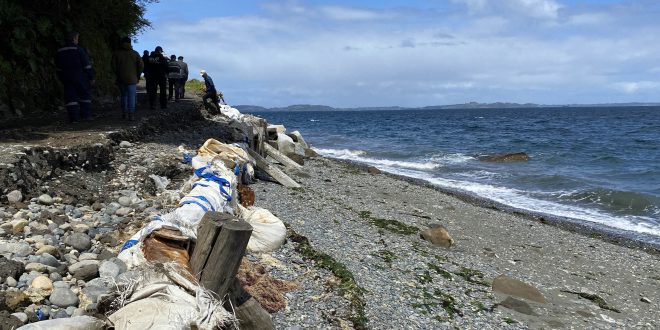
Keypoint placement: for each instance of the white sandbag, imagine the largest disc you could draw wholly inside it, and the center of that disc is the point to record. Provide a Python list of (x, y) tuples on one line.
[(298, 139), (230, 112), (268, 232), (74, 323), (285, 144), (230, 155)]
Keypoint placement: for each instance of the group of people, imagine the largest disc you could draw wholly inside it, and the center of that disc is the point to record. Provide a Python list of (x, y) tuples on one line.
[(75, 70)]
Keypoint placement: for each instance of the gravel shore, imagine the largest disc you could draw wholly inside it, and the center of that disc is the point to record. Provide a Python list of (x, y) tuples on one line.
[(353, 247)]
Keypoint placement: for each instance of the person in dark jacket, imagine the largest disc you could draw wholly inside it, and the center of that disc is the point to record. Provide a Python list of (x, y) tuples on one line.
[(174, 78), (127, 65), (145, 60), (210, 92), (74, 69), (157, 69), (184, 77)]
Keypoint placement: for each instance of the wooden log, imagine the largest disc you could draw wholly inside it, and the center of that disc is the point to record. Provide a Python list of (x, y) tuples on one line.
[(248, 311), (273, 171), (280, 157), (217, 262)]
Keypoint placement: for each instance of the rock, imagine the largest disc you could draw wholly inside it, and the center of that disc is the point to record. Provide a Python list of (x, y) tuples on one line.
[(9, 321), (39, 229), (10, 268), (373, 170), (21, 316), (14, 196), (14, 300), (79, 241), (437, 235), (125, 144), (55, 277), (60, 314), (300, 160), (48, 249), (310, 153), (49, 260), (11, 282), (88, 256), (18, 225), (645, 300), (513, 287), (518, 306), (97, 206), (35, 267), (62, 297), (122, 212), (42, 283), (45, 199), (19, 249), (124, 201), (109, 269), (95, 288), (85, 270), (275, 129), (510, 157), (297, 138), (80, 228)]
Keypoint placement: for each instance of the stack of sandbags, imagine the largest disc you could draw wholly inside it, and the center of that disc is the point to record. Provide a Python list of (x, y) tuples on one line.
[(290, 144)]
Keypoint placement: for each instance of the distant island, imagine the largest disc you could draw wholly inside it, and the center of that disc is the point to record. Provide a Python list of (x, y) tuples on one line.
[(469, 105)]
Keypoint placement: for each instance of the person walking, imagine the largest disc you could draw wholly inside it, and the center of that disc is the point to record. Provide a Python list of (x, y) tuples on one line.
[(74, 69), (210, 92), (157, 71), (145, 60), (127, 65), (174, 78), (184, 77)]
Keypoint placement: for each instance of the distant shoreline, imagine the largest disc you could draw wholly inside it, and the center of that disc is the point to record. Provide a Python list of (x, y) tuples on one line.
[(466, 106)]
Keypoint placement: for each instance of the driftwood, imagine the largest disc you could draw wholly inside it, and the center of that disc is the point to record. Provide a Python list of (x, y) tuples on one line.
[(280, 157), (273, 171)]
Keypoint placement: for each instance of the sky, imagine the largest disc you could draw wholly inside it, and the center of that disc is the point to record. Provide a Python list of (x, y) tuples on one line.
[(415, 52)]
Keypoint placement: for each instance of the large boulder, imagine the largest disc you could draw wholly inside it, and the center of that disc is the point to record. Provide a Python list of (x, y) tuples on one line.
[(438, 235), (511, 286), (297, 138), (510, 157)]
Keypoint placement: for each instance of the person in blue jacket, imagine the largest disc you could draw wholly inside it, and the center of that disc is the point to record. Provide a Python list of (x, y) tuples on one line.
[(210, 92), (74, 69)]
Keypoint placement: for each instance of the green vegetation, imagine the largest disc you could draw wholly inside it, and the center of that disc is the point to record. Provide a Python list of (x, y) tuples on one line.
[(389, 225), (347, 286), (472, 276), (435, 299), (441, 271), (425, 277), (509, 320), (33, 30), (387, 256)]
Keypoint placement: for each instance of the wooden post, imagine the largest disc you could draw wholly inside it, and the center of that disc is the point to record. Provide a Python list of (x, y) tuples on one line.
[(280, 157), (273, 171), (221, 244)]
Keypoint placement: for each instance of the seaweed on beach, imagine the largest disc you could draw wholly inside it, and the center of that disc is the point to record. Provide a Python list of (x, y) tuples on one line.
[(347, 287), (389, 225)]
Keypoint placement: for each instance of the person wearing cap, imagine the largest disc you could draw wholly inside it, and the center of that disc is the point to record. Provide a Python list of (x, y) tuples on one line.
[(74, 69), (157, 69), (127, 65), (184, 77), (174, 78), (210, 91)]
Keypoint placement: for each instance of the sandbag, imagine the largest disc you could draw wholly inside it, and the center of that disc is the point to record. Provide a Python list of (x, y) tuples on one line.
[(285, 144), (268, 232), (230, 155), (230, 112)]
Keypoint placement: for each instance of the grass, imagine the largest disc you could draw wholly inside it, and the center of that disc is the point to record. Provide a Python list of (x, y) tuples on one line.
[(387, 256), (441, 271), (347, 285), (389, 225), (435, 299)]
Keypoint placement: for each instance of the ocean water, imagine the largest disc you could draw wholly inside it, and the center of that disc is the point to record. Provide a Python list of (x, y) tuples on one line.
[(597, 166)]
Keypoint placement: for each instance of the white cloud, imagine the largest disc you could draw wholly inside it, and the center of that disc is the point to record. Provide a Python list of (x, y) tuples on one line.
[(636, 86), (543, 9), (343, 13)]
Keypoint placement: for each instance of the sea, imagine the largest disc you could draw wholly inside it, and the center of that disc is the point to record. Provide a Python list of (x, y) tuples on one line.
[(594, 166)]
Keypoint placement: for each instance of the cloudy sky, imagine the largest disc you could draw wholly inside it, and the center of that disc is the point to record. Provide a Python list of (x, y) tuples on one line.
[(416, 52)]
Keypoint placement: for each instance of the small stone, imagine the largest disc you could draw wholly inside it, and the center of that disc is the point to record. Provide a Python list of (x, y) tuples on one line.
[(80, 228), (78, 241), (60, 314), (36, 267), (63, 297), (70, 310), (85, 270), (122, 212), (42, 283), (49, 260), (11, 282), (49, 249), (125, 144), (45, 199), (15, 299), (109, 269), (645, 300), (124, 201), (21, 316), (88, 256), (18, 225), (97, 206), (513, 287), (55, 277), (10, 268), (438, 236), (14, 196)]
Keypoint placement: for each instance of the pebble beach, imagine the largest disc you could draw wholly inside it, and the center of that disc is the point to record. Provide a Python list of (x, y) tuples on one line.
[(353, 249)]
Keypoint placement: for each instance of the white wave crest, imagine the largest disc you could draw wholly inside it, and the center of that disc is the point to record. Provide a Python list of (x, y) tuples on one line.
[(357, 155), (457, 158)]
